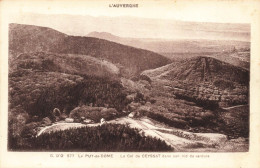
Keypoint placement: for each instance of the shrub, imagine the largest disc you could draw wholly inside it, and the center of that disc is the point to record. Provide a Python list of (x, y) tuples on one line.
[(94, 113)]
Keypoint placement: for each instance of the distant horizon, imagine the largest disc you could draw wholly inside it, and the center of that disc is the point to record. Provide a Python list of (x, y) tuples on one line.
[(146, 17), (201, 11), (158, 39), (136, 27)]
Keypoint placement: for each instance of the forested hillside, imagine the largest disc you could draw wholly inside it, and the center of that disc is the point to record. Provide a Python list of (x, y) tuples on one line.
[(205, 80), (106, 138), (27, 38), (40, 82)]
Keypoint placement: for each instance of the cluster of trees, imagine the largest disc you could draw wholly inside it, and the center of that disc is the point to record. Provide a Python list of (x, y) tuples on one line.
[(101, 91), (182, 114), (234, 100), (34, 94), (173, 122), (238, 126), (109, 137), (204, 119), (205, 103), (40, 97), (94, 113), (234, 95), (224, 84)]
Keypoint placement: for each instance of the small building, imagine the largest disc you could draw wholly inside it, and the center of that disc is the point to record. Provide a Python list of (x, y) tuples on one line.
[(132, 115), (87, 121), (69, 120)]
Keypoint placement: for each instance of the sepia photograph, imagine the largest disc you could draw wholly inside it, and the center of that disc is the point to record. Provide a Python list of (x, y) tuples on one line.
[(104, 86), (129, 82)]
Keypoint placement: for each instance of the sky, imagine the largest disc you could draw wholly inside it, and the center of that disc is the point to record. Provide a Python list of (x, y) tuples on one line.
[(83, 17), (185, 10)]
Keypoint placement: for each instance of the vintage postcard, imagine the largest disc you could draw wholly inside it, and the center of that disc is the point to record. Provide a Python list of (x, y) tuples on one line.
[(130, 83)]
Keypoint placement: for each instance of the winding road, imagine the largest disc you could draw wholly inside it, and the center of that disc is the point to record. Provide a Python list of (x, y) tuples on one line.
[(180, 140)]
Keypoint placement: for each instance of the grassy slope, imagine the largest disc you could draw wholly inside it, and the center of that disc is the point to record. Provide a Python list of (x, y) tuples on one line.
[(64, 63)]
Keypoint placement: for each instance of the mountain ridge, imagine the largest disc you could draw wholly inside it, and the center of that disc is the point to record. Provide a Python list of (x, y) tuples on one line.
[(27, 38), (173, 45)]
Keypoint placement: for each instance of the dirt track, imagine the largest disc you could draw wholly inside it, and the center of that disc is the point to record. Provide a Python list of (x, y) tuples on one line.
[(228, 108)]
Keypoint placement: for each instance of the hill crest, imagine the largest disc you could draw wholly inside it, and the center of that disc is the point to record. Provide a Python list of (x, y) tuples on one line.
[(200, 69), (132, 61)]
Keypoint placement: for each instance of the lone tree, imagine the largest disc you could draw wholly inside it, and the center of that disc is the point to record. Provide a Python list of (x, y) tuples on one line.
[(56, 112)]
